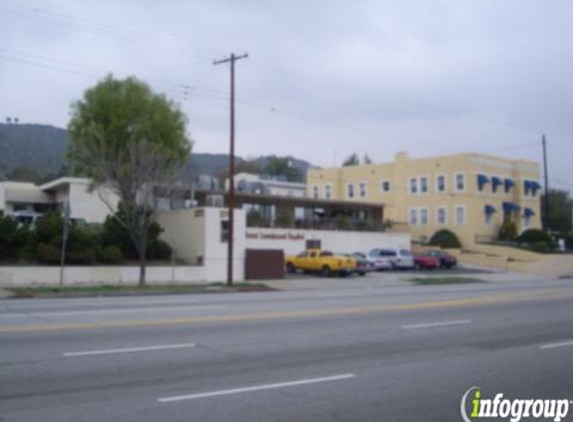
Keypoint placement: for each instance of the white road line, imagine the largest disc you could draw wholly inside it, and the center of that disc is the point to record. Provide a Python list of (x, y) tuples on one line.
[(256, 388), (436, 324), (555, 345), (130, 350), (112, 311)]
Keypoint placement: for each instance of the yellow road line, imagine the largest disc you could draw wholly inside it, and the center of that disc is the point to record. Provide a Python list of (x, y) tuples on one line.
[(480, 300)]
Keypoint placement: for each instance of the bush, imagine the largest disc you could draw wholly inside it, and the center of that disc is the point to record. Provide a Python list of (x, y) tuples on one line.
[(284, 220), (507, 231), (445, 239), (111, 255), (536, 238), (114, 234), (342, 222), (161, 251), (48, 226), (16, 240), (255, 218), (48, 254)]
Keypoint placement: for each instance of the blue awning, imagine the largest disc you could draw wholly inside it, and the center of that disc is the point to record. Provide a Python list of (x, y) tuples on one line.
[(496, 181), (508, 183), (489, 209), (534, 185), (482, 180), (528, 212), (510, 207)]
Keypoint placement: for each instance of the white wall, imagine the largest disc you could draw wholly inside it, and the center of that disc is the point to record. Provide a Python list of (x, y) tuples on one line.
[(293, 241), (88, 205), (14, 276), (196, 232)]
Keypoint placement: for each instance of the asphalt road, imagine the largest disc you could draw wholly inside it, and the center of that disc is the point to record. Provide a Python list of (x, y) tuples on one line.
[(398, 353)]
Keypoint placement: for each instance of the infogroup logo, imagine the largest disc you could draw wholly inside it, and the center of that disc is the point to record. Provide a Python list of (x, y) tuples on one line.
[(514, 410)]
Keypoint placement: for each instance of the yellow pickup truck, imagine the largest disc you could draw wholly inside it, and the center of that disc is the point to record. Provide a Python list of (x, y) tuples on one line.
[(320, 261)]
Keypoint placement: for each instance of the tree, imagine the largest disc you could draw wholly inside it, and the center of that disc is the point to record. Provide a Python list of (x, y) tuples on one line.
[(352, 160), (560, 209), (445, 238), (130, 141), (282, 166), (366, 159)]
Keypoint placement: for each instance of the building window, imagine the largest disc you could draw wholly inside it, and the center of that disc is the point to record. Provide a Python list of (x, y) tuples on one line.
[(350, 191), (315, 192), (526, 222), (362, 189), (328, 192), (423, 184), (460, 183), (440, 183), (424, 216), (413, 185), (441, 216), (489, 218), (386, 186), (460, 215), (224, 231), (413, 216)]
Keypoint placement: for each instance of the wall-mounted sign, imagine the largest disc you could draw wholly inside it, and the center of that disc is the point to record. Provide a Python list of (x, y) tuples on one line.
[(275, 236)]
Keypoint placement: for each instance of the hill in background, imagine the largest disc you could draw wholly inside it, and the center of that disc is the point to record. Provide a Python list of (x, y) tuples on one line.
[(33, 152)]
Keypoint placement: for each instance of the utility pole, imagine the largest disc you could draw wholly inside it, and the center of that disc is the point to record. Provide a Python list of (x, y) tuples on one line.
[(231, 202), (546, 196)]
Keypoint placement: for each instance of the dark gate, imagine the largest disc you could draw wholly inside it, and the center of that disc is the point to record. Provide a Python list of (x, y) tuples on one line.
[(261, 264)]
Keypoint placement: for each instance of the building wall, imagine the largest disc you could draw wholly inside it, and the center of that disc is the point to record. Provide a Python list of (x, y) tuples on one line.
[(196, 235), (368, 186), (88, 205)]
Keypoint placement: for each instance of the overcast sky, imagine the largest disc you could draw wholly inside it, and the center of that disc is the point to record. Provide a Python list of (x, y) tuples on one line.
[(323, 78)]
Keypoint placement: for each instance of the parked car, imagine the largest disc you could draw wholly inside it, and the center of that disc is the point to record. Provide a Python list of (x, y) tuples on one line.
[(320, 261), (398, 258), (364, 263), (426, 262), (446, 260), (383, 259)]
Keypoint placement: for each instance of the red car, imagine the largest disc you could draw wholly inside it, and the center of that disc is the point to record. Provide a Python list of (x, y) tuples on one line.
[(425, 262)]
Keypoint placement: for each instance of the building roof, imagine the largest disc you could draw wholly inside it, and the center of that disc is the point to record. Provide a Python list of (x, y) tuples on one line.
[(62, 181), (293, 200)]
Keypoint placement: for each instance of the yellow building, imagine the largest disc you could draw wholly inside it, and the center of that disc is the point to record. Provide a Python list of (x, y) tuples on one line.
[(470, 194)]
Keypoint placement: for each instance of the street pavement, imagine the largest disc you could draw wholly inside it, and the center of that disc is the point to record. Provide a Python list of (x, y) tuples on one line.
[(377, 351)]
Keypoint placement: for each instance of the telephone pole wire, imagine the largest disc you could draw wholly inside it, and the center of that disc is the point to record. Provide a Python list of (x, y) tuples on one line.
[(231, 202), (545, 221)]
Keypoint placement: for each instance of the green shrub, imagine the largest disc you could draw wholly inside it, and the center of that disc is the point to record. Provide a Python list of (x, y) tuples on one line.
[(114, 234), (15, 240), (255, 218), (342, 222), (111, 255), (507, 231), (540, 246), (48, 254), (161, 250), (532, 236), (49, 225), (284, 220), (446, 239)]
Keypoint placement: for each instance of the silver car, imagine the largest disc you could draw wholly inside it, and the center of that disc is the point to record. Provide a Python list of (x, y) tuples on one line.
[(396, 258)]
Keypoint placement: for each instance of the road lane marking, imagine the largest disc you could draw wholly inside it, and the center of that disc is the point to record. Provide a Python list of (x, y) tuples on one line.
[(555, 345), (111, 311), (436, 324), (256, 388), (313, 313), (129, 350)]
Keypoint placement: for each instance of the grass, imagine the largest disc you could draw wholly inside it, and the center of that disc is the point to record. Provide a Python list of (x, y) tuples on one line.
[(116, 290), (430, 281)]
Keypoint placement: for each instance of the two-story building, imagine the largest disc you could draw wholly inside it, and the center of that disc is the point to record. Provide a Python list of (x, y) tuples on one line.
[(470, 194)]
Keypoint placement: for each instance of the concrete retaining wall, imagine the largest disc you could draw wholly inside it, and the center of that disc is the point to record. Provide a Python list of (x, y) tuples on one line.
[(12, 276)]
